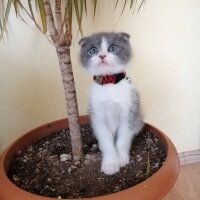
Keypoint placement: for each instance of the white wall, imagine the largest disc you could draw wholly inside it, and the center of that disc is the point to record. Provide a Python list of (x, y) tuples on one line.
[(165, 36)]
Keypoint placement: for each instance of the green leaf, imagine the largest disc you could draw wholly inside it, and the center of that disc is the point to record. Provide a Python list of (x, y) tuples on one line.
[(131, 4), (7, 13), (78, 16), (68, 14), (32, 14), (148, 169), (116, 4), (85, 4), (1, 27), (1, 30), (134, 6), (36, 4), (1, 18), (125, 2), (81, 9), (1, 10), (42, 15), (31, 10), (70, 11), (95, 6), (143, 1), (19, 4), (16, 5)]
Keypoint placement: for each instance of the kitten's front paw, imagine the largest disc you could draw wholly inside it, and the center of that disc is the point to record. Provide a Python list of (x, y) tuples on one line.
[(123, 160), (110, 167)]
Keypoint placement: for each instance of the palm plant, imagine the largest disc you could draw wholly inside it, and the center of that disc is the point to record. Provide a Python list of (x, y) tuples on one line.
[(59, 25)]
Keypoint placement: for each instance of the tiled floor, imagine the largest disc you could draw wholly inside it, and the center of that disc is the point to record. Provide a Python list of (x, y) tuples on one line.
[(187, 186)]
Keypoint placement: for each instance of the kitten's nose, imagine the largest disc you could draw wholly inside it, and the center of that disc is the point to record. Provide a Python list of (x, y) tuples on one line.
[(102, 56)]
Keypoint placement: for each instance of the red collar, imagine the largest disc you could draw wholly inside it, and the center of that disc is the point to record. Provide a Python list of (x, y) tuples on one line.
[(114, 78)]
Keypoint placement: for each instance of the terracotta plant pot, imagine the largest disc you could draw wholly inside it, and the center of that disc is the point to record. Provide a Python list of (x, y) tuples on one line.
[(154, 188)]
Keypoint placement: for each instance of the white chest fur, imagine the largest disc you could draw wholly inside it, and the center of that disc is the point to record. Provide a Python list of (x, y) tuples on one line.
[(111, 103), (119, 93)]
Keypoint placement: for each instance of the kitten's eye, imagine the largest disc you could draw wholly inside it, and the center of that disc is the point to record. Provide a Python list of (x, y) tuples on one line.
[(113, 49), (93, 51)]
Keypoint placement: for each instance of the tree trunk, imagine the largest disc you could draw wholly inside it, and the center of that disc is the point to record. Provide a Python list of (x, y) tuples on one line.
[(63, 52)]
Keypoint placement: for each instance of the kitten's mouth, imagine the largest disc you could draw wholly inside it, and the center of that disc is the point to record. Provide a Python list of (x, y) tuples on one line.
[(103, 63)]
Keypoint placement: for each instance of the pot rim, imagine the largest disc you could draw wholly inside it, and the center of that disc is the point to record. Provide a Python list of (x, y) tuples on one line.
[(169, 169)]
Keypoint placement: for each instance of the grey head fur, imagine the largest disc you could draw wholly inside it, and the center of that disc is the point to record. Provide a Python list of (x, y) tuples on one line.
[(119, 39)]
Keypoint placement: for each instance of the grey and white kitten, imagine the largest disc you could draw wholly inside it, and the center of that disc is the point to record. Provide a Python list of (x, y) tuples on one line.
[(114, 108)]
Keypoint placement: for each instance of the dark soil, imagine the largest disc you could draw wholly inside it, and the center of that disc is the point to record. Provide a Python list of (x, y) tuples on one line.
[(46, 167)]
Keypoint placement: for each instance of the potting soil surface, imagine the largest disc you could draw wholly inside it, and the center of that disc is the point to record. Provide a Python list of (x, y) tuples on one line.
[(46, 167)]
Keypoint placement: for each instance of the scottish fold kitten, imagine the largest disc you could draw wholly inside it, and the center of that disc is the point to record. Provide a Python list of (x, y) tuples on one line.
[(114, 102)]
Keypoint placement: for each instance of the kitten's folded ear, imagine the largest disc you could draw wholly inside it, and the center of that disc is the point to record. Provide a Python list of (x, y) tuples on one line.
[(82, 41), (125, 36)]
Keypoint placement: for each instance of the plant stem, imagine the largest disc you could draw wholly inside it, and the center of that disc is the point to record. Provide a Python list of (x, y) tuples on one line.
[(63, 53)]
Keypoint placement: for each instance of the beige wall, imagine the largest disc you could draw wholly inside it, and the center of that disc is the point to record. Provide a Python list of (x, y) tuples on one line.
[(166, 68)]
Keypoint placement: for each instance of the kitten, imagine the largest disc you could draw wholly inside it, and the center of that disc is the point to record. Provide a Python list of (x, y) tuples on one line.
[(114, 102)]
